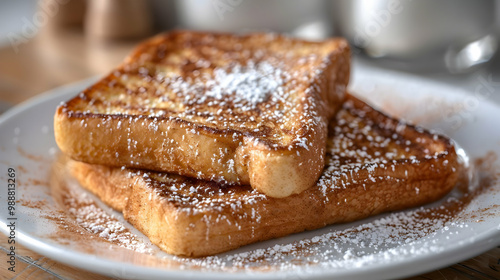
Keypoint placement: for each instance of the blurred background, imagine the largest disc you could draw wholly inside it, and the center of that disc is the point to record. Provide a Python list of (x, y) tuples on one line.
[(48, 43)]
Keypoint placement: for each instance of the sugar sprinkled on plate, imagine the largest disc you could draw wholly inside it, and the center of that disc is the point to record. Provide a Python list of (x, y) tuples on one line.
[(386, 238)]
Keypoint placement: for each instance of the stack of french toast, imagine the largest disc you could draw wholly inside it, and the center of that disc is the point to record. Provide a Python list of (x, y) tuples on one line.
[(207, 142)]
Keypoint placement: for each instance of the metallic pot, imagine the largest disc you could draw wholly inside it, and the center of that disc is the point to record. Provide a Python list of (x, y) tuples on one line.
[(430, 34)]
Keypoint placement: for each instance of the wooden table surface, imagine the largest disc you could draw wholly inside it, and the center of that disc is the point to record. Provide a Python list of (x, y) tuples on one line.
[(57, 58)]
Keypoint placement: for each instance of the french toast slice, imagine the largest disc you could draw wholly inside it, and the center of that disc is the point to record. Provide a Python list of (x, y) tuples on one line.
[(249, 109), (374, 164)]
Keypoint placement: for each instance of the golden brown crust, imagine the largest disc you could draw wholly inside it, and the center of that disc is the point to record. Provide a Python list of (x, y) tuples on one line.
[(233, 109), (374, 164)]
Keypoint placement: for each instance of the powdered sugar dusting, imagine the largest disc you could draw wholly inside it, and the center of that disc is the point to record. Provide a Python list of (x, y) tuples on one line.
[(382, 240), (359, 143), (252, 84), (234, 90)]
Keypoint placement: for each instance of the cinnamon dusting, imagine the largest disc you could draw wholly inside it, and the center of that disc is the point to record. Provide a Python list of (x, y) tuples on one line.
[(32, 157), (34, 204)]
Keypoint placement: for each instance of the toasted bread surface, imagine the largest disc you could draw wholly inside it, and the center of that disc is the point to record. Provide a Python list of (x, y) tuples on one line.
[(374, 164), (249, 109)]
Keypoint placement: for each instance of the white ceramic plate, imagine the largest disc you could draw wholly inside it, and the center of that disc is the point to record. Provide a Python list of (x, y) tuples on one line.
[(387, 246)]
